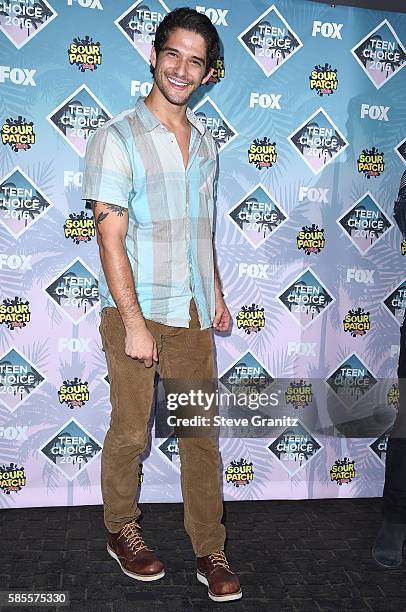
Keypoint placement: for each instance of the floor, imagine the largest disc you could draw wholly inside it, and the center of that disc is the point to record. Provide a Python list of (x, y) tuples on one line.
[(291, 556)]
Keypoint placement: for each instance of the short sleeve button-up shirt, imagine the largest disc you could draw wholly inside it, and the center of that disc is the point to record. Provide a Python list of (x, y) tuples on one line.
[(133, 161)]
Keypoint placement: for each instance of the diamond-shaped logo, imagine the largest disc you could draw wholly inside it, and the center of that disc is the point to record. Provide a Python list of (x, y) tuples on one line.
[(395, 301), (318, 141), (257, 215), (140, 22), (295, 447), (306, 298), (18, 379), (20, 25), (270, 40), (246, 374), (400, 149), (170, 449), (75, 291), (380, 54), (351, 381), (71, 450), (211, 116), (365, 223), (380, 445), (22, 203), (77, 117)]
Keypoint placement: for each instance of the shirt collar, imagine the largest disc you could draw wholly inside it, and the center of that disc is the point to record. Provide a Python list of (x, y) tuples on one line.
[(150, 121)]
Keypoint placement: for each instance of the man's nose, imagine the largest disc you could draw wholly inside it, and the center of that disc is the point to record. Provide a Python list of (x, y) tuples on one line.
[(182, 67)]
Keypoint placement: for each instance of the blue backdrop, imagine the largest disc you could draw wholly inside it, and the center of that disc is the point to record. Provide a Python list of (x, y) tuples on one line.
[(307, 108)]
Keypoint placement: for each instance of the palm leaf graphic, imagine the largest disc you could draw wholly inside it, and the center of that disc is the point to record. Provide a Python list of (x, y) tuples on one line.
[(84, 481), (10, 282), (317, 471), (51, 477), (43, 174), (366, 483)]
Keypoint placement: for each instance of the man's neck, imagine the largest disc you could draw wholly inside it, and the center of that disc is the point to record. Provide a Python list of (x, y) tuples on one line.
[(170, 115)]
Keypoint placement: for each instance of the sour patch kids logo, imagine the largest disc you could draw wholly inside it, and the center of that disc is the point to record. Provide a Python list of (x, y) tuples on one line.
[(18, 134)]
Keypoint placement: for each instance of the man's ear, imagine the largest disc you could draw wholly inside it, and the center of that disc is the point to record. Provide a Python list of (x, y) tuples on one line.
[(207, 77), (152, 57)]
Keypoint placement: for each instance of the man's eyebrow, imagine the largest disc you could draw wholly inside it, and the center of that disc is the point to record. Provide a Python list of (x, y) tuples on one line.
[(177, 51)]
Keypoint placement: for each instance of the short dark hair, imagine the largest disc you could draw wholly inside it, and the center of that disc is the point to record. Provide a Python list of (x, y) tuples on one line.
[(189, 19)]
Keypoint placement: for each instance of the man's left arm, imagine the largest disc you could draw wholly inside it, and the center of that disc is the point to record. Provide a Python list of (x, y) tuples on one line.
[(222, 316)]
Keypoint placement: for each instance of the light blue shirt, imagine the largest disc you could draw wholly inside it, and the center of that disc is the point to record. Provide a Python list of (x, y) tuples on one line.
[(133, 161)]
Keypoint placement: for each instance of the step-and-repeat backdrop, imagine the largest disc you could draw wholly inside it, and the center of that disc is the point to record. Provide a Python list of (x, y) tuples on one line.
[(307, 106)]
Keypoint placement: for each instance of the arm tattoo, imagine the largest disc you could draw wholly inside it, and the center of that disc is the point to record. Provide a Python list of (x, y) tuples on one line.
[(101, 217), (117, 209), (113, 207)]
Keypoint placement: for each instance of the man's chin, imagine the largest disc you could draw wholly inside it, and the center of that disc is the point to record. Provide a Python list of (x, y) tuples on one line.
[(178, 101)]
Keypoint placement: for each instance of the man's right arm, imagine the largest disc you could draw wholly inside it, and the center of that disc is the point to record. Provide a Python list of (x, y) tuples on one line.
[(111, 223)]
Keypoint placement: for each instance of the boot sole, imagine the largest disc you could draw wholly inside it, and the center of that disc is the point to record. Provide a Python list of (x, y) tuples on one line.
[(229, 597), (132, 574)]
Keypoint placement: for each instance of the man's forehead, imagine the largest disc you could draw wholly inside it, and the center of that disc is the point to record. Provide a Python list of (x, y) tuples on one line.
[(187, 38)]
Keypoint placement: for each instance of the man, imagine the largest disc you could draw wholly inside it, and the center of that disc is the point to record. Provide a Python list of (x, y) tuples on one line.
[(388, 547), (150, 175)]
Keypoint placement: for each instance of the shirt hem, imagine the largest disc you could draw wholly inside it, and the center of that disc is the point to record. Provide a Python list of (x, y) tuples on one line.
[(107, 200), (169, 323)]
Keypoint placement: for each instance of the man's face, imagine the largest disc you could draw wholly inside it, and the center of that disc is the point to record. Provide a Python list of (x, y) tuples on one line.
[(180, 67)]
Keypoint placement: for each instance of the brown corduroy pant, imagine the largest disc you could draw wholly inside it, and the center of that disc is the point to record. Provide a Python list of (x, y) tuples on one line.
[(183, 353)]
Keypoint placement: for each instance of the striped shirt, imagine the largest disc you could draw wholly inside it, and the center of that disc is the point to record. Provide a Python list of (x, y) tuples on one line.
[(133, 161)]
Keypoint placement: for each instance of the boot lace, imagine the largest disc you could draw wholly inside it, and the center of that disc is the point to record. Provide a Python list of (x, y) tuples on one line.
[(131, 534), (219, 559)]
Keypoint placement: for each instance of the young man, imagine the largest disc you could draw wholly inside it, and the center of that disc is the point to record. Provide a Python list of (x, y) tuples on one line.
[(150, 175)]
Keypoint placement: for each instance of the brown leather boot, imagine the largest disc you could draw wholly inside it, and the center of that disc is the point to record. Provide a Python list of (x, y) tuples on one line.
[(214, 571), (132, 554)]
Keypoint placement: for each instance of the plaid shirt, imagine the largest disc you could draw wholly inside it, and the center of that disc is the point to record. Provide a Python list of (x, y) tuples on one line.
[(133, 161)]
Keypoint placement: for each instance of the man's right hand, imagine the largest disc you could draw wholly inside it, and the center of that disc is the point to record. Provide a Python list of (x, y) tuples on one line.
[(140, 344)]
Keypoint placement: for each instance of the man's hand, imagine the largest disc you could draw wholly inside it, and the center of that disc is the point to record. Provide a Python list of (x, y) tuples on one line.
[(140, 344), (222, 319)]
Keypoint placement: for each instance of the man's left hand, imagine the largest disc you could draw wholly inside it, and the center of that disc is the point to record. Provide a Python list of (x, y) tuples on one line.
[(222, 319)]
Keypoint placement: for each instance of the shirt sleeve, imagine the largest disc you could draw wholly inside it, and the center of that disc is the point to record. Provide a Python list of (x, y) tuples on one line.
[(108, 173)]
